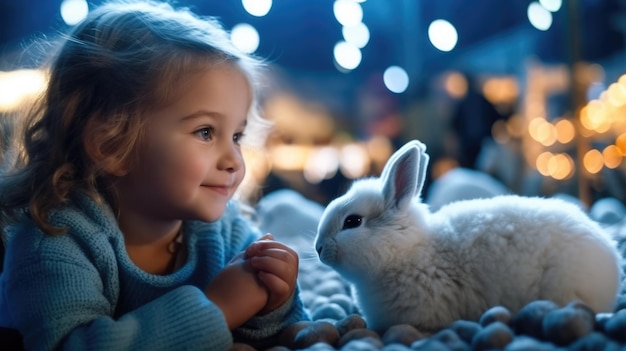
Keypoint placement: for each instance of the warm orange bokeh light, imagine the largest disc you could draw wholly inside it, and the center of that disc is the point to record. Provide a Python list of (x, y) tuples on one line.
[(594, 115), (501, 90), (546, 134), (557, 166), (515, 126), (565, 131), (616, 94), (561, 166), (534, 127), (455, 85), (542, 163), (612, 156), (620, 142), (593, 161)]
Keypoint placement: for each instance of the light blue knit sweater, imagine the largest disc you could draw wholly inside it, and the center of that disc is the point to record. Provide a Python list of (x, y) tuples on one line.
[(80, 291)]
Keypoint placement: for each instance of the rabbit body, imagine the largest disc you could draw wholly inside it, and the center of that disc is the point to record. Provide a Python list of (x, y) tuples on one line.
[(408, 265)]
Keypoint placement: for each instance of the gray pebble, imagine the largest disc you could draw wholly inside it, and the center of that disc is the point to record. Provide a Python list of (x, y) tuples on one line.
[(344, 301), (466, 330), (330, 310), (565, 325), (616, 326), (361, 345), (318, 302), (329, 320), (308, 297), (526, 343), (305, 281), (320, 346), (429, 345), (451, 339), (494, 336), (358, 334), (314, 333), (495, 314), (330, 274), (330, 287), (395, 347), (404, 334), (529, 319), (583, 307), (288, 335), (594, 341), (352, 321)]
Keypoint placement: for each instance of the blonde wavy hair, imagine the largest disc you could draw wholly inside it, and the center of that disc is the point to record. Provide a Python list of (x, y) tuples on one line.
[(111, 70)]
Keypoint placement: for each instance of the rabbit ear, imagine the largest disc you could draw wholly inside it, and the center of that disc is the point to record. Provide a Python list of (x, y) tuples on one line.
[(421, 169), (400, 176)]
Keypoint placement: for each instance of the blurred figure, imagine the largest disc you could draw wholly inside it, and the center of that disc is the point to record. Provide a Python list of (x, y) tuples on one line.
[(472, 120)]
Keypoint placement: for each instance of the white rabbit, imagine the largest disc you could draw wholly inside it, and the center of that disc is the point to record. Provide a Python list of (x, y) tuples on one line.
[(408, 265)]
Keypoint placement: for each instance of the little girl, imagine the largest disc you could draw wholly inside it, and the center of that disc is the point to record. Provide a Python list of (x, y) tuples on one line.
[(122, 232)]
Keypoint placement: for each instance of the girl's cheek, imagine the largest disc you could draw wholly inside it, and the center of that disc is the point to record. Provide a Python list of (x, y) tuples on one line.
[(242, 175)]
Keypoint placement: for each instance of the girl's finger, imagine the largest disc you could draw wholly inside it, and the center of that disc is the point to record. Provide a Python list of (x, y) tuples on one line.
[(284, 270), (277, 253), (266, 236), (256, 248), (274, 284)]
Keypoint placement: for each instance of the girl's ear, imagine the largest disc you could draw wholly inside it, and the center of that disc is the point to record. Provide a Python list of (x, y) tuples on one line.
[(98, 145)]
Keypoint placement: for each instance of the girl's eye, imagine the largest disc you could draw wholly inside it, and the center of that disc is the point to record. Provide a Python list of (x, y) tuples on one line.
[(205, 133), (238, 137)]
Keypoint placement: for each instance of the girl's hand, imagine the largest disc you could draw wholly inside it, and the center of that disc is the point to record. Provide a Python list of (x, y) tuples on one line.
[(277, 268), (237, 291)]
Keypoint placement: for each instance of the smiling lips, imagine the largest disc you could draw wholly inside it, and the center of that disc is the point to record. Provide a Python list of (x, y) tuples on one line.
[(220, 189)]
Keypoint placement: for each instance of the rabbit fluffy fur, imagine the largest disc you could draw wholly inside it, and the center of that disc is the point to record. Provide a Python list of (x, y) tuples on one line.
[(408, 265)]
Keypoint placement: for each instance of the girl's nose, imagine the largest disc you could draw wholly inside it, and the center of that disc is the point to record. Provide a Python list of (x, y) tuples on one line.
[(231, 159)]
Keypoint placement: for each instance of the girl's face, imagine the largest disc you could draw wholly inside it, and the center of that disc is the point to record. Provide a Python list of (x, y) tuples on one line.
[(189, 162)]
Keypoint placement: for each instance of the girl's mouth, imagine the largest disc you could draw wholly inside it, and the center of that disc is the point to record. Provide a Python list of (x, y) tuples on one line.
[(220, 189)]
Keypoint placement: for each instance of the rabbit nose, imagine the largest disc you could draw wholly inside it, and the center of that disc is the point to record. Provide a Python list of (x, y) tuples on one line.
[(319, 250)]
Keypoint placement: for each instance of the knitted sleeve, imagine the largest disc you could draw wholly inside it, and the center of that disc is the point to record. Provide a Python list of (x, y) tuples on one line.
[(261, 331), (180, 319), (58, 299)]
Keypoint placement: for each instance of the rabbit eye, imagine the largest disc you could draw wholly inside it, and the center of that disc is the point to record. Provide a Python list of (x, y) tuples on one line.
[(352, 221)]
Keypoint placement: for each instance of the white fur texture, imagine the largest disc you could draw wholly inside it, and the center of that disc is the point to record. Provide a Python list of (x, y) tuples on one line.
[(408, 265)]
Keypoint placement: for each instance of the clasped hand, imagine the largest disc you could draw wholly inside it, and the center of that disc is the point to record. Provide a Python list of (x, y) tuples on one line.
[(256, 281)]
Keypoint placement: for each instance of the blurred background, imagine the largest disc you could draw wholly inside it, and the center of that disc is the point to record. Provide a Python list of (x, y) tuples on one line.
[(529, 94)]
